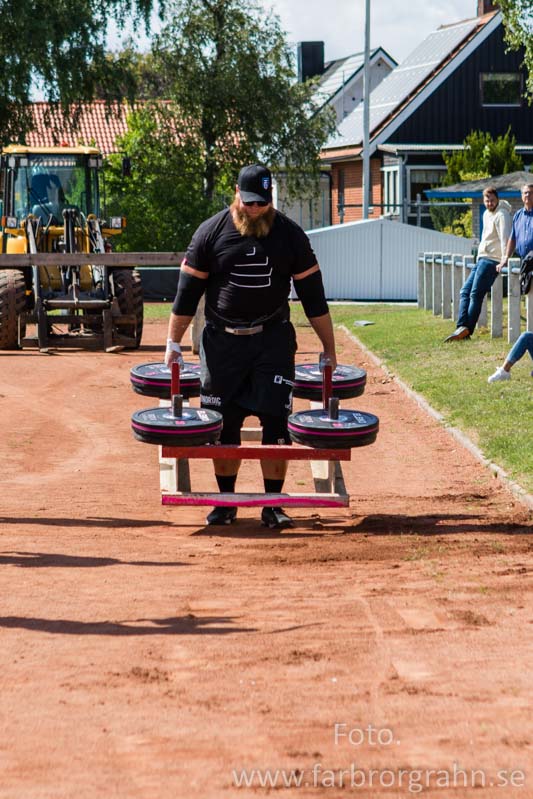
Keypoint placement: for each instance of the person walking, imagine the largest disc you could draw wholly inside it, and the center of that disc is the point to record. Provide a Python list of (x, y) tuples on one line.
[(492, 247), (523, 344), (244, 258)]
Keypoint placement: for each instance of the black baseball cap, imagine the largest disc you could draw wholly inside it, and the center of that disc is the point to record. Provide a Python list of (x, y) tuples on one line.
[(255, 184)]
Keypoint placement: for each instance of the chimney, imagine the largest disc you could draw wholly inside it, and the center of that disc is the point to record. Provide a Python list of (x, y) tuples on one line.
[(310, 60), (485, 7)]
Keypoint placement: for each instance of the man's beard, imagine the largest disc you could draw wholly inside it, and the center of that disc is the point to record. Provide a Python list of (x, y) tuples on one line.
[(258, 227)]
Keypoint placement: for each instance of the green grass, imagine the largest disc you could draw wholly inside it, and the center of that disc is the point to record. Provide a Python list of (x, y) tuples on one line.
[(453, 378), (498, 418)]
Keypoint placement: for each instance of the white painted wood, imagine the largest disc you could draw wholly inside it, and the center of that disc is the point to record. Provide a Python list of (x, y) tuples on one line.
[(420, 281), (457, 282), (428, 281), (496, 308), (198, 324), (447, 286), (436, 287), (483, 315), (513, 299), (174, 475)]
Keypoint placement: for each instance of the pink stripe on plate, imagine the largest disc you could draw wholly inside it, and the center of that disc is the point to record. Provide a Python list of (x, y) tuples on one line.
[(330, 433)]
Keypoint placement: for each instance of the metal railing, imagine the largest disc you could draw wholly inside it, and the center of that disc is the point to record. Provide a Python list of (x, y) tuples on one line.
[(441, 276), (408, 208)]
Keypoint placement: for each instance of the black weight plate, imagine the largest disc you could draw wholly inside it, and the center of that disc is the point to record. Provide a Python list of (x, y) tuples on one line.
[(154, 380), (347, 382), (196, 426), (315, 429)]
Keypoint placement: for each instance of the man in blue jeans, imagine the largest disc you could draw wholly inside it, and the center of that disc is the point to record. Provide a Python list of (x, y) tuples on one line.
[(492, 249)]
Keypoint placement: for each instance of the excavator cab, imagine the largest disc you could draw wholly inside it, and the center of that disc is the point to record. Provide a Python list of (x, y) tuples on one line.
[(51, 204)]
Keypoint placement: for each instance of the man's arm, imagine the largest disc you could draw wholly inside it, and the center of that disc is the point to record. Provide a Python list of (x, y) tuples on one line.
[(188, 295), (309, 288), (511, 243)]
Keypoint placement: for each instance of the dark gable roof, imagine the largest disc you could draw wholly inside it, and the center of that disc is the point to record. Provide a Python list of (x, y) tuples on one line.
[(405, 85), (506, 185)]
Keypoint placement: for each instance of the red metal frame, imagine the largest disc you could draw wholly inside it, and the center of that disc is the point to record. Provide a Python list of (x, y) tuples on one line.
[(264, 452)]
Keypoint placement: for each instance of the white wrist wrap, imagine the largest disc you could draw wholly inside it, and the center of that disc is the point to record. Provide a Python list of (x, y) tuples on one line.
[(173, 346)]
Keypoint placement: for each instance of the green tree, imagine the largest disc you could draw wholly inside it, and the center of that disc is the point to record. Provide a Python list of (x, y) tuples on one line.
[(60, 47), (230, 77), (482, 157), (163, 199), (517, 18)]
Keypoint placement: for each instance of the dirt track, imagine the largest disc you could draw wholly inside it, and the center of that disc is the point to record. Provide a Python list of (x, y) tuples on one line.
[(145, 655)]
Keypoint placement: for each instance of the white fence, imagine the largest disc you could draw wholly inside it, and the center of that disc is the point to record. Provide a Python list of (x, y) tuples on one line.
[(440, 277), (376, 259)]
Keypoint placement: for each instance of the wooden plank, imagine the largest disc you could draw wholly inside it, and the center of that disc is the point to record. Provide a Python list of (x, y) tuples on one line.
[(243, 500), (262, 453), (174, 475), (251, 433), (144, 259)]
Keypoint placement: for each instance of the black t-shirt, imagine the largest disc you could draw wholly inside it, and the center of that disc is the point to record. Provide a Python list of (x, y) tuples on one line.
[(249, 278)]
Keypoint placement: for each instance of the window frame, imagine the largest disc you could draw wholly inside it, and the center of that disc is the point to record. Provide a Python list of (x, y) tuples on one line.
[(483, 76)]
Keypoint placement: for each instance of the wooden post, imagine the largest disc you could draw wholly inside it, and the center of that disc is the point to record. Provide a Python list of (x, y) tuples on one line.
[(428, 280), (447, 286), (437, 284), (513, 299), (457, 282), (496, 308), (420, 280), (483, 315)]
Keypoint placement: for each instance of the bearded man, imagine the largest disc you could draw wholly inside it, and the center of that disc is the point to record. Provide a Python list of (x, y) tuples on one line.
[(244, 258)]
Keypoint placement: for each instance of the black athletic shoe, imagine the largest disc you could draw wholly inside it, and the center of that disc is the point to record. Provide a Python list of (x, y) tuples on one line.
[(275, 518), (222, 515)]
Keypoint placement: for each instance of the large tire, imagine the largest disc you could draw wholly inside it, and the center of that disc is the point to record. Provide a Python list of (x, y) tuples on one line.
[(129, 293), (12, 304)]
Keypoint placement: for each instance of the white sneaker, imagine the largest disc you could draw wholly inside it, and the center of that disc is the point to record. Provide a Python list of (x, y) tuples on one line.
[(499, 374)]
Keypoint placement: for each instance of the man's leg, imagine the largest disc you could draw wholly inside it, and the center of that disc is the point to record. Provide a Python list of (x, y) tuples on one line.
[(484, 276), (464, 298), (226, 470), (462, 330), (274, 432)]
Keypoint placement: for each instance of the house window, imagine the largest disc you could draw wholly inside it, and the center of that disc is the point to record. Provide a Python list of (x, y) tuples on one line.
[(391, 190), (420, 179), (501, 89)]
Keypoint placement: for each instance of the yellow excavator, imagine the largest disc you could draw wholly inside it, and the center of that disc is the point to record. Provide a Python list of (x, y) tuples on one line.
[(52, 236)]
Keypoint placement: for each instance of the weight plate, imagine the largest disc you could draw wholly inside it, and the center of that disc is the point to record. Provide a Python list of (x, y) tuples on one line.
[(315, 429), (196, 426), (154, 380), (348, 381)]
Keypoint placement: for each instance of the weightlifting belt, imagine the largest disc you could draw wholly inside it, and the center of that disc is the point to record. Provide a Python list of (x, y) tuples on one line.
[(242, 330)]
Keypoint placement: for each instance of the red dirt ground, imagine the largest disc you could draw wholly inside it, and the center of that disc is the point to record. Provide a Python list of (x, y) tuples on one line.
[(145, 655)]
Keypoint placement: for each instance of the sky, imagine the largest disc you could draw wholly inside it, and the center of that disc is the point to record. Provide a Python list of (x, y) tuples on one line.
[(396, 25)]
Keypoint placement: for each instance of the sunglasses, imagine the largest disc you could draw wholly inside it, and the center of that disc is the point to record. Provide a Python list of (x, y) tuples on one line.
[(260, 203)]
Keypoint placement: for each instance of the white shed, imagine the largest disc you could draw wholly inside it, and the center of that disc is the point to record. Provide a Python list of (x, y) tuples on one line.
[(377, 259)]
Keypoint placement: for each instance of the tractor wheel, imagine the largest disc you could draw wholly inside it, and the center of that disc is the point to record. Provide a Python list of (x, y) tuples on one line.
[(12, 304), (129, 293)]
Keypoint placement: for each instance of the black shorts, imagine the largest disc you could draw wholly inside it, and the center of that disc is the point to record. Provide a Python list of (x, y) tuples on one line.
[(254, 372)]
